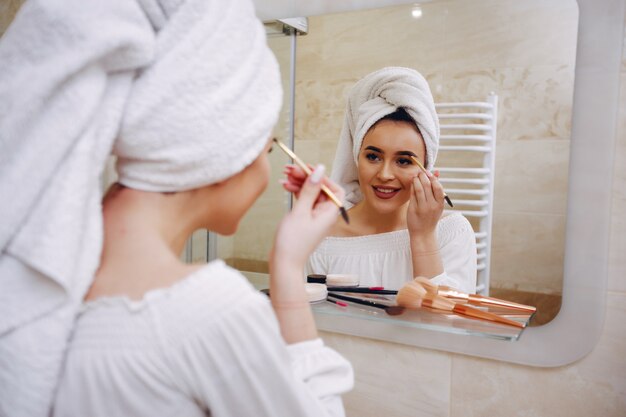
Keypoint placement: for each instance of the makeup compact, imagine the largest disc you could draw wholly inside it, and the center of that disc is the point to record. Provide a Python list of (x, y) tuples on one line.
[(334, 280), (316, 292), (316, 279), (342, 280)]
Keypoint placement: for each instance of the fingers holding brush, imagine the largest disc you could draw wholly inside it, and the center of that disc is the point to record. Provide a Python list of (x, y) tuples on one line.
[(306, 168), (295, 178), (311, 197), (437, 190), (431, 175), (426, 204), (429, 192), (310, 220)]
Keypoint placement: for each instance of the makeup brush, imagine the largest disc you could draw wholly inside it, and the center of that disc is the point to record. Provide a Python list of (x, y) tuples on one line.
[(410, 296), (419, 164), (391, 310), (339, 303), (363, 290), (307, 171), (474, 299)]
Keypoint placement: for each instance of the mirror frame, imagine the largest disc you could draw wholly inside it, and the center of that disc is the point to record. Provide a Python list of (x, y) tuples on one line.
[(576, 329)]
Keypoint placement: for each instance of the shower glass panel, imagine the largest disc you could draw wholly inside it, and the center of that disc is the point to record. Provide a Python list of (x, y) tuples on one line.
[(248, 249)]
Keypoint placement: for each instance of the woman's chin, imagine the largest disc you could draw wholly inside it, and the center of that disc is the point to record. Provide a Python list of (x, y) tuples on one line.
[(385, 207), (226, 229)]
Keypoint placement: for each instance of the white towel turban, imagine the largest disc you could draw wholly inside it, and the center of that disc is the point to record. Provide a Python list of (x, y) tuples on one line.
[(373, 97), (184, 91), (207, 105)]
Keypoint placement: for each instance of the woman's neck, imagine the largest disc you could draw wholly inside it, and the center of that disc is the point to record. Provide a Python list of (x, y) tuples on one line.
[(143, 237), (367, 220)]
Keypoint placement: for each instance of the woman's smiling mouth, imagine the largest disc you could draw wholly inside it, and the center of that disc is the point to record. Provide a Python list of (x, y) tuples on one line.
[(385, 192)]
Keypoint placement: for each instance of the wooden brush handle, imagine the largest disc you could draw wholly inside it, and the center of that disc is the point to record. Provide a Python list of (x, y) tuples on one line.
[(484, 315), (491, 301), (308, 171), (419, 164)]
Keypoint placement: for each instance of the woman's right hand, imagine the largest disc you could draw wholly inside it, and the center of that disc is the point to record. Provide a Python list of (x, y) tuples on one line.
[(298, 234)]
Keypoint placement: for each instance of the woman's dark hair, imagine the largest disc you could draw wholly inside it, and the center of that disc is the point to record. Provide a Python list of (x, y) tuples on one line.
[(400, 115)]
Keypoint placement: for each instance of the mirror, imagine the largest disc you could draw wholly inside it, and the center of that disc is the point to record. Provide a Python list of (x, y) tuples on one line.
[(596, 92), (466, 50), (528, 63)]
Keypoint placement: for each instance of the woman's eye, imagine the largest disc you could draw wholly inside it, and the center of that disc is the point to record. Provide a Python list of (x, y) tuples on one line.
[(372, 157), (404, 161)]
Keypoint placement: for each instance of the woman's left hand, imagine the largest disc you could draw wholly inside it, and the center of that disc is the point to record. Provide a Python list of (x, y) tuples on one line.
[(425, 206)]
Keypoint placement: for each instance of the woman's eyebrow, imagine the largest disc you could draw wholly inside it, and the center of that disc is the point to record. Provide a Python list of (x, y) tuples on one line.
[(375, 149)]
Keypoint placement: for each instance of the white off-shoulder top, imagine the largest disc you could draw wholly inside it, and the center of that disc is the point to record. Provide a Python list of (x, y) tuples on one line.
[(385, 259), (208, 345)]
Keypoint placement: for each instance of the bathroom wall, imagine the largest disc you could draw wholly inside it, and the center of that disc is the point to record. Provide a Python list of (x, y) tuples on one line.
[(402, 381), (465, 51)]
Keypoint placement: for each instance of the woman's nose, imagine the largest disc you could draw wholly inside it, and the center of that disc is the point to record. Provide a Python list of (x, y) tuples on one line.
[(385, 173)]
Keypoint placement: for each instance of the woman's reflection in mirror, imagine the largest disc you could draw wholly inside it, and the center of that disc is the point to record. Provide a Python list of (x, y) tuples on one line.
[(398, 227)]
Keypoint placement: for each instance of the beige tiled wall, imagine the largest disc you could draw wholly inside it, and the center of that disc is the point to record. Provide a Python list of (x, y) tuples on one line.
[(523, 51)]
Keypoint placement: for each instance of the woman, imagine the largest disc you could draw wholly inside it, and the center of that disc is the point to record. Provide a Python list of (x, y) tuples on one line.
[(103, 317), (396, 228), (160, 337)]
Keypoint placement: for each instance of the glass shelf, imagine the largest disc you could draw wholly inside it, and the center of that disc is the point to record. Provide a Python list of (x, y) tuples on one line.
[(428, 319), (424, 318)]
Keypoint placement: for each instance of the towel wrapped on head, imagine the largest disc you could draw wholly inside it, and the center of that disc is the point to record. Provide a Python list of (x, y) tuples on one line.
[(205, 108), (181, 98), (373, 97)]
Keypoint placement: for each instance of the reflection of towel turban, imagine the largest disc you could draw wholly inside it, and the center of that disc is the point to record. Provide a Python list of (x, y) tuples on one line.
[(182, 98), (372, 98)]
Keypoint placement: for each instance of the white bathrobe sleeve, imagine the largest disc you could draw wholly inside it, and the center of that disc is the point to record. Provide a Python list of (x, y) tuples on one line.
[(239, 365), (457, 246)]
